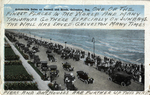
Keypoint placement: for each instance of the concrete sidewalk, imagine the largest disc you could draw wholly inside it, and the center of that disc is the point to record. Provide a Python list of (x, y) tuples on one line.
[(42, 85)]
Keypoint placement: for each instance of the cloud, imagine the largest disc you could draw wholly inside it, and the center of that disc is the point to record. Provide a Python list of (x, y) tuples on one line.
[(47, 6), (8, 8), (61, 7)]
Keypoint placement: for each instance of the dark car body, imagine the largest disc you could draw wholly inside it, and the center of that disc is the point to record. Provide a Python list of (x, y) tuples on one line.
[(69, 80), (35, 48), (49, 51), (51, 57), (44, 66), (53, 71), (58, 50), (121, 78), (76, 57), (70, 86), (67, 66), (65, 56), (102, 67), (26, 49), (84, 77), (89, 61), (54, 86)]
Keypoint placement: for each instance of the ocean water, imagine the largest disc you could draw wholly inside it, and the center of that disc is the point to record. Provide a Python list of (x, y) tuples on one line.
[(125, 45)]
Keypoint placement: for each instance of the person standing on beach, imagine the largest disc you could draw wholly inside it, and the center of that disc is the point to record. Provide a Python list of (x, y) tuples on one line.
[(88, 54)]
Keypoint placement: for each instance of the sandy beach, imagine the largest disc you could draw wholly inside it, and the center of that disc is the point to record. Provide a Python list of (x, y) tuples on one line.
[(101, 81)]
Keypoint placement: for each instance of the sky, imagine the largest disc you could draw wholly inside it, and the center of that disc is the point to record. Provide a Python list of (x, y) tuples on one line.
[(11, 7)]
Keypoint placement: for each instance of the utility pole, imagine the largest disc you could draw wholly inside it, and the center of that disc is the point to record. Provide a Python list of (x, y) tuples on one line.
[(65, 45), (93, 40)]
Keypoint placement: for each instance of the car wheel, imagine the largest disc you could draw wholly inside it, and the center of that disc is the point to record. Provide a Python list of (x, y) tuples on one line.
[(110, 78), (86, 81), (123, 84), (89, 64)]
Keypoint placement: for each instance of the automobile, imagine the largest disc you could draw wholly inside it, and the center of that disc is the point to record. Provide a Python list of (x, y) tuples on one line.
[(49, 51), (44, 66), (121, 78), (36, 61), (82, 54), (67, 66), (22, 45), (26, 49), (53, 72), (31, 54), (35, 48), (51, 57), (89, 61), (28, 44), (69, 80), (64, 55), (76, 57), (83, 76), (102, 67), (58, 50), (70, 86), (106, 59), (54, 86)]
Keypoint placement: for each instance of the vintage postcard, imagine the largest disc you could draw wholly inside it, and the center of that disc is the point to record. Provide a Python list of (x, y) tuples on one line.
[(75, 48)]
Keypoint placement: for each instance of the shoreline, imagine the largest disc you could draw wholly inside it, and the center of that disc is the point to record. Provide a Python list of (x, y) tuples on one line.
[(75, 47), (79, 65)]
